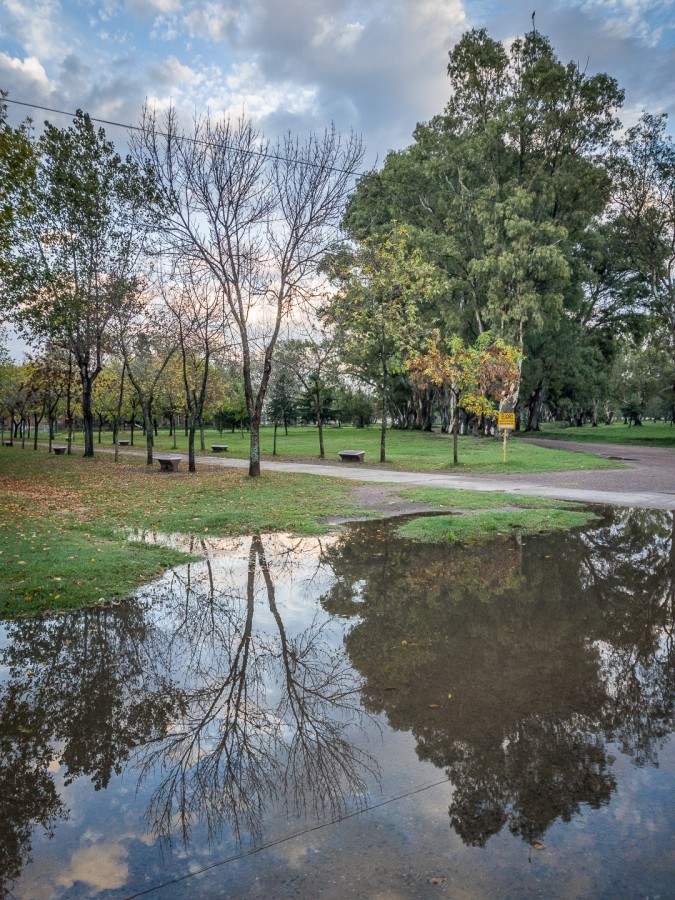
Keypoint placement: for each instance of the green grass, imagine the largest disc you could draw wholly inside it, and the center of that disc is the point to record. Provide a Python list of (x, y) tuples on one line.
[(406, 450), (483, 525), (651, 434), (61, 543), (444, 498)]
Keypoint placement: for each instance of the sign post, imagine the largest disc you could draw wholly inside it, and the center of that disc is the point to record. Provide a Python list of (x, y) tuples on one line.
[(507, 422)]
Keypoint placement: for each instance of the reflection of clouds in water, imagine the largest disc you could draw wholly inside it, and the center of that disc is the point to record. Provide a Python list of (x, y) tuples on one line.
[(102, 867)]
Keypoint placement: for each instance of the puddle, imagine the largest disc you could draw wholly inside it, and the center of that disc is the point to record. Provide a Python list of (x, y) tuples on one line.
[(353, 715)]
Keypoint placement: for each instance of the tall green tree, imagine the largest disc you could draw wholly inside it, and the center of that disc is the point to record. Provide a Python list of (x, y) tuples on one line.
[(643, 167), (76, 249), (375, 312), (501, 187)]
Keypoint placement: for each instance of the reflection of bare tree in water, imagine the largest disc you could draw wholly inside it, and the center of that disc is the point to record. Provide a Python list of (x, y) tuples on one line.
[(263, 715)]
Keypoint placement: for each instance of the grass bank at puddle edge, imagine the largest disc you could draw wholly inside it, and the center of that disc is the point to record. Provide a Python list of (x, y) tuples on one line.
[(61, 544)]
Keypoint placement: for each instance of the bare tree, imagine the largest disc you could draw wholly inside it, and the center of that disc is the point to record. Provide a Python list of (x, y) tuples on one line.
[(196, 309), (147, 345), (257, 217)]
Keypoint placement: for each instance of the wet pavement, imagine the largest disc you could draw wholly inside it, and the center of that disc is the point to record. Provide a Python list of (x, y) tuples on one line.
[(353, 715)]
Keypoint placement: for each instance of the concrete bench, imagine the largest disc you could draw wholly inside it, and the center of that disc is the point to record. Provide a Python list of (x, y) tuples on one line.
[(218, 448), (352, 455), (59, 449), (7, 443), (168, 463), (123, 443)]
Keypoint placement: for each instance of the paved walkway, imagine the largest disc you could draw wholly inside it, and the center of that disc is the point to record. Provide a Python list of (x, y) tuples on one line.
[(647, 481)]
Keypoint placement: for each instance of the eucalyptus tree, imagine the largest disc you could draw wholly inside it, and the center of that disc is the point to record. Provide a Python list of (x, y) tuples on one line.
[(500, 188), (257, 217), (76, 249), (17, 176), (643, 166), (375, 313)]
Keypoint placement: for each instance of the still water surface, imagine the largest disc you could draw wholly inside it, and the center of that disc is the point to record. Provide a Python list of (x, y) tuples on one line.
[(353, 716)]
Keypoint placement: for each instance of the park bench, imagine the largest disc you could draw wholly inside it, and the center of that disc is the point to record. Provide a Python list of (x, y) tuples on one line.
[(123, 443), (352, 455), (218, 448), (59, 449), (168, 463), (7, 443)]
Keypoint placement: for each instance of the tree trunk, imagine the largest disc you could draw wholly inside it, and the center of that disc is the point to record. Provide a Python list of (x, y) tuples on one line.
[(534, 406), (87, 414), (383, 430), (319, 423), (149, 438), (454, 411), (35, 430), (192, 429), (254, 457), (274, 442), (202, 441)]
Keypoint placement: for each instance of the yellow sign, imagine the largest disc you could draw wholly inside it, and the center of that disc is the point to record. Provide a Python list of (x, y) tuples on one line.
[(506, 420)]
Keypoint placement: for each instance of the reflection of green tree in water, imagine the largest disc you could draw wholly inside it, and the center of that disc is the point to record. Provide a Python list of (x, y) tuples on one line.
[(77, 695), (548, 650)]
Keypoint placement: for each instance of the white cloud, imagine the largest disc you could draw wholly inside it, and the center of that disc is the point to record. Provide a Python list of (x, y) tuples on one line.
[(145, 8), (172, 73), (101, 867), (37, 26), (630, 18), (211, 21), (28, 73), (336, 36)]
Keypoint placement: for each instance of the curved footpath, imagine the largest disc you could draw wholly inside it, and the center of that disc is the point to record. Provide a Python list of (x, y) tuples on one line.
[(648, 479)]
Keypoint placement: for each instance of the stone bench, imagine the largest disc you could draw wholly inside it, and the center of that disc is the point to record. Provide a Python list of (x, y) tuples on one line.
[(8, 443), (218, 448), (168, 463), (123, 443), (59, 449), (352, 455)]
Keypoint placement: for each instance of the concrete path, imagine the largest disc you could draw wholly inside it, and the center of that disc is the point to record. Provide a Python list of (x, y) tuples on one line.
[(647, 481)]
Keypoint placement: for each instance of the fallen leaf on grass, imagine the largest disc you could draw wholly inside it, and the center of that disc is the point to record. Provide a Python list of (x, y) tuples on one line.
[(434, 705), (437, 879)]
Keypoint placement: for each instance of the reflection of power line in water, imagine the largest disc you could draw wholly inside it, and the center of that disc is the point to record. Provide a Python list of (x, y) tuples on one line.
[(290, 837)]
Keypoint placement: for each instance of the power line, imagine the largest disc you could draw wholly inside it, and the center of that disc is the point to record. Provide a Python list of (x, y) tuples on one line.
[(277, 157), (289, 837)]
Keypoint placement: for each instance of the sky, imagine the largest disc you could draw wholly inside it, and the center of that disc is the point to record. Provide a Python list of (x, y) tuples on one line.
[(374, 66)]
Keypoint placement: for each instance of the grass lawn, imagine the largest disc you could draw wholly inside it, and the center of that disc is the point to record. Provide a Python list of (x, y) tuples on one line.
[(60, 540), (483, 525), (651, 434), (406, 450), (62, 543), (482, 516)]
